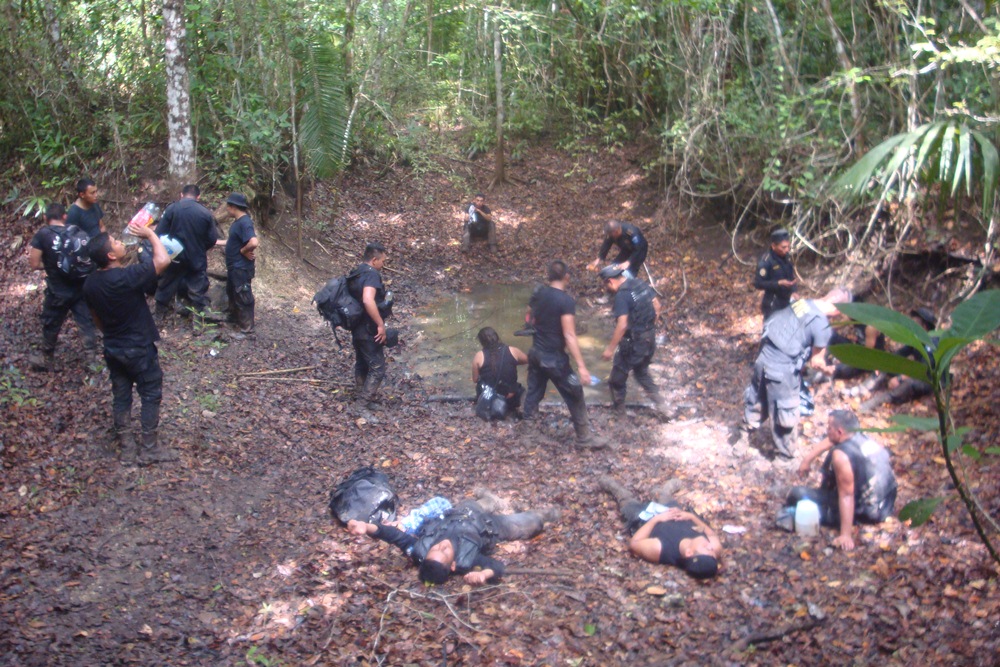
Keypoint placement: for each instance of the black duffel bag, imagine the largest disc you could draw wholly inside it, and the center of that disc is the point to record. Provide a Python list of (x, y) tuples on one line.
[(365, 496)]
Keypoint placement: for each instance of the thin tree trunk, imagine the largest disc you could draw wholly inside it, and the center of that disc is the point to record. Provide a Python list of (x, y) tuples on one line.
[(352, 9), (430, 31), (295, 160), (779, 41), (846, 62), (180, 140), (500, 168)]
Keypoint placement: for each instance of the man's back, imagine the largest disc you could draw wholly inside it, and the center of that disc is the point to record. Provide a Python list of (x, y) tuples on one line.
[(548, 305), (194, 226), (874, 480)]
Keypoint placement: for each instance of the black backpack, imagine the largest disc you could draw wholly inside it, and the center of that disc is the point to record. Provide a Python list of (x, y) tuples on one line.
[(73, 259), (335, 303), (366, 496)]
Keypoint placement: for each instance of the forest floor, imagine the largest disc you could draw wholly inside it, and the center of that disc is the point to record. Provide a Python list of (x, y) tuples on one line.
[(230, 557)]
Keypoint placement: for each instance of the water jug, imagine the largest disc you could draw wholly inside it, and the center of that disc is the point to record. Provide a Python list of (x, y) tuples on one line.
[(807, 518), (146, 217)]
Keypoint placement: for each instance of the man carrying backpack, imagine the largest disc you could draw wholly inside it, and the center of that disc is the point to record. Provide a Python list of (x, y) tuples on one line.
[(368, 338), (461, 540), (52, 250)]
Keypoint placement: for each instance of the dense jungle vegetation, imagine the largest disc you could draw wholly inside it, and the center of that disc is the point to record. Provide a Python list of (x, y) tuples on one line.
[(758, 105)]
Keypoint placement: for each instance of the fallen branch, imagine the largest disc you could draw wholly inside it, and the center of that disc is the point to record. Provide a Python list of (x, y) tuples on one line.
[(159, 482), (278, 371), (764, 637)]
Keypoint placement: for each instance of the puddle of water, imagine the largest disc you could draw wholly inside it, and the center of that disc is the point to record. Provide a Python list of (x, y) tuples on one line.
[(446, 338)]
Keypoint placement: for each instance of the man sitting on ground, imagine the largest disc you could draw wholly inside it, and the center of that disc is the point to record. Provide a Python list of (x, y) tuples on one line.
[(663, 533), (858, 483), (461, 540)]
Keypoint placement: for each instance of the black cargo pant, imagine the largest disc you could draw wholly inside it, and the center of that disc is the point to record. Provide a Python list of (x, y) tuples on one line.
[(241, 301), (482, 230), (633, 355), (56, 307), (137, 367), (369, 359), (195, 281), (506, 527), (554, 366)]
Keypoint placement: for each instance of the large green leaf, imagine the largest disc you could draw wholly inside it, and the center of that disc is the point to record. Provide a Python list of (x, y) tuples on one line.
[(918, 512), (991, 169), (965, 165), (868, 359), (946, 350), (976, 317), (855, 180), (323, 119), (895, 325), (916, 423)]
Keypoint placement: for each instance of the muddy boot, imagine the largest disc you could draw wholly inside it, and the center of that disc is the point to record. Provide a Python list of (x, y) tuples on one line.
[(123, 441), (153, 452), (490, 502), (666, 411), (160, 314), (549, 514), (611, 485), (368, 393), (665, 494)]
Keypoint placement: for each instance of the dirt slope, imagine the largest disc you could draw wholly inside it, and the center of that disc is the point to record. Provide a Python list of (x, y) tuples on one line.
[(229, 556)]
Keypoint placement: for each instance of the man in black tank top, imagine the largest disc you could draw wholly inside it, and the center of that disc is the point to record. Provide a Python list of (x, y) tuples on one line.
[(495, 366), (858, 483), (667, 535)]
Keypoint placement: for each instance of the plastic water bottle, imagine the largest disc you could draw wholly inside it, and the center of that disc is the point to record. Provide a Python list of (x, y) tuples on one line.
[(807, 518), (146, 217), (594, 380), (435, 507)]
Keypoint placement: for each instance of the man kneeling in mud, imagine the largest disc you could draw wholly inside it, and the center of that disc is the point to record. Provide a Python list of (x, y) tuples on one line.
[(665, 534), (461, 539)]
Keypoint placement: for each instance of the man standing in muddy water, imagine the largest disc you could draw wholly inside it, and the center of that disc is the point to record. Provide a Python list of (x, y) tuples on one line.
[(632, 247), (633, 342), (368, 338), (554, 313)]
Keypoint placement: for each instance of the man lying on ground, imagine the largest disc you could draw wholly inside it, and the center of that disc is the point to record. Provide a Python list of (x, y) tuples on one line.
[(664, 533), (461, 540)]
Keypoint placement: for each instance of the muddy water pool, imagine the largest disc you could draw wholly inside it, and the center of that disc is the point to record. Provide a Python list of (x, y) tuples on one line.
[(444, 339)]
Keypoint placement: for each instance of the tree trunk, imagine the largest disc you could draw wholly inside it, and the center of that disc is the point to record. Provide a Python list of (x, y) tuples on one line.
[(847, 63), (180, 139), (430, 31), (352, 9), (500, 169)]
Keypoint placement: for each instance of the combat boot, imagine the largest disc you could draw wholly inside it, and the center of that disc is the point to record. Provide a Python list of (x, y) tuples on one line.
[(614, 487), (591, 441), (42, 361), (160, 314), (153, 452), (124, 440), (368, 392)]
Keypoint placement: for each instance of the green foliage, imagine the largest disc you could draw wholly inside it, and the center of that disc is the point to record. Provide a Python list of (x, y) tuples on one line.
[(13, 393), (972, 321), (323, 131), (948, 152)]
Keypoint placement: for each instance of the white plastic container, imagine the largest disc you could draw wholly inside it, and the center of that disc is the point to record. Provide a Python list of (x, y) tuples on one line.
[(807, 518)]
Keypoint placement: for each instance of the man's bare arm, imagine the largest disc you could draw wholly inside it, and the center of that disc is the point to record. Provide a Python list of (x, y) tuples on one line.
[(573, 347), (845, 498)]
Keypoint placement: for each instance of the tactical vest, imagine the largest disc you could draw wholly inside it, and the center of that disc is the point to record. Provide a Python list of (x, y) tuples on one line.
[(786, 329), (874, 481), (642, 316), (469, 533)]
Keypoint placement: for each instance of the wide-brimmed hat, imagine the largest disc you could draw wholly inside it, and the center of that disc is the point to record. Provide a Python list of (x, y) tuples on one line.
[(239, 200)]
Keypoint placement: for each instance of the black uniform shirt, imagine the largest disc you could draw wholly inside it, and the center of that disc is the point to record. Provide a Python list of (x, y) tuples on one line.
[(118, 297), (631, 244), (49, 240), (194, 226), (548, 305), (635, 299), (240, 233), (771, 269), (89, 220), (364, 276)]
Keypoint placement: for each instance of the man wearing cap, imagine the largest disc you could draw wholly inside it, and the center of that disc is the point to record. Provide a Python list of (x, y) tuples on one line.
[(369, 338), (776, 274), (116, 295), (792, 336), (479, 224), (664, 533), (194, 226), (461, 540), (241, 253), (554, 315), (858, 483), (632, 247), (633, 342)]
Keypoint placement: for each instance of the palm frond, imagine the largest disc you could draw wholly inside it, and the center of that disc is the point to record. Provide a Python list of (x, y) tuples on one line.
[(323, 118)]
